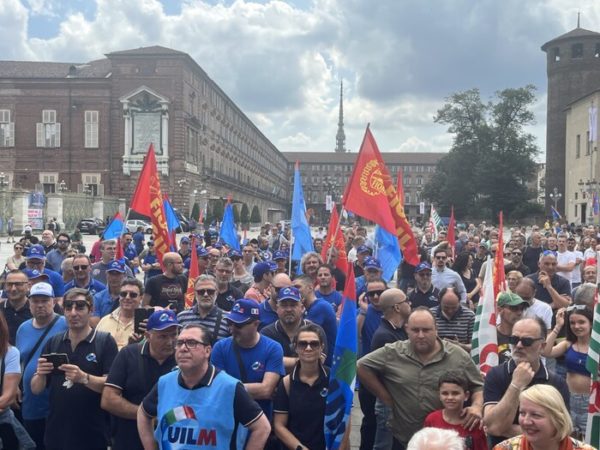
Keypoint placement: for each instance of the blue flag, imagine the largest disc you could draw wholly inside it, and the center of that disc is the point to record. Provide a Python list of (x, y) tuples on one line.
[(342, 377), (115, 228), (388, 252), (300, 229), (171, 218), (228, 234), (555, 214)]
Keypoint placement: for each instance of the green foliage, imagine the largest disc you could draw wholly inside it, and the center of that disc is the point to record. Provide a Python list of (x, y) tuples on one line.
[(195, 212), (245, 215), (491, 158), (218, 210), (255, 215)]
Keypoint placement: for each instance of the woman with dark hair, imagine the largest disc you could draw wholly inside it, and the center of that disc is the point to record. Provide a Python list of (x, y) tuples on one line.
[(462, 265), (299, 404), (12, 433), (575, 347), (17, 259)]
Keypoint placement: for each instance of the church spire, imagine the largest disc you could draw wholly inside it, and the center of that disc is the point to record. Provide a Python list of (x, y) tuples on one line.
[(340, 137)]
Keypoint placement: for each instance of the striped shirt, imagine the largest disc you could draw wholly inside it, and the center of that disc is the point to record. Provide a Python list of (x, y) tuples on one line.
[(459, 326), (219, 328)]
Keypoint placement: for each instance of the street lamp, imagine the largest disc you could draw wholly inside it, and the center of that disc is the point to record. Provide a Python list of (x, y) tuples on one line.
[(555, 195), (589, 187)]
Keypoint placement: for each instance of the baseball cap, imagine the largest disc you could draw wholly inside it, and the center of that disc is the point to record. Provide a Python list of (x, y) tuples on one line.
[(32, 274), (36, 252), (116, 266), (279, 255), (244, 310), (272, 265), (201, 252), (41, 289), (161, 320), (363, 249), (371, 263), (422, 266), (185, 240), (289, 293), (217, 245), (510, 299), (234, 254), (261, 268)]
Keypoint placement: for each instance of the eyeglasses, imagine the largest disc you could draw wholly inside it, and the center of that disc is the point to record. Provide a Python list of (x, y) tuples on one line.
[(517, 253), (84, 267), (35, 262), (525, 341), (124, 294), (79, 305), (375, 293), (238, 325), (576, 308), (303, 345), (190, 344), (62, 241), (203, 292), (10, 284)]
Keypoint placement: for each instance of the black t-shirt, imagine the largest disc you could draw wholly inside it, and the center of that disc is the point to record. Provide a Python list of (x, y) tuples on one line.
[(14, 318), (278, 334), (134, 372), (386, 334), (560, 284), (504, 353), (340, 279), (531, 257), (428, 299), (226, 299), (75, 420), (245, 410), (163, 289)]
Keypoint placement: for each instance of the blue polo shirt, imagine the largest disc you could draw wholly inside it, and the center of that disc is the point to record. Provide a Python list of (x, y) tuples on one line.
[(321, 313), (57, 282), (267, 315), (93, 287), (370, 325), (104, 304), (334, 298)]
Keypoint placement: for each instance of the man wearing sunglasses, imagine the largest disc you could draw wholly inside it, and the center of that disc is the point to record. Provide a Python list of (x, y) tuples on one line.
[(442, 276), (201, 402), (511, 308), (55, 257), (424, 294), (82, 268), (76, 385), (254, 359), (134, 372), (516, 263), (505, 382), (205, 311)]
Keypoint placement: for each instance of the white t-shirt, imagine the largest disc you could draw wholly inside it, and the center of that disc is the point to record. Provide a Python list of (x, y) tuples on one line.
[(541, 310), (563, 258), (576, 274)]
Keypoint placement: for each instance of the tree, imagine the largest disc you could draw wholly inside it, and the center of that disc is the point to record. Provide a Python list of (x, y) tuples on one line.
[(491, 158), (245, 215), (255, 215), (195, 212), (218, 210)]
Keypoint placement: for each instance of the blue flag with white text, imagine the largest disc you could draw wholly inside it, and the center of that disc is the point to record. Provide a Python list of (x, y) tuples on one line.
[(300, 229), (228, 233), (387, 250), (555, 214)]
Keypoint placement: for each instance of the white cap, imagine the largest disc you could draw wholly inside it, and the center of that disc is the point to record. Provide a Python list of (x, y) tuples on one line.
[(41, 289)]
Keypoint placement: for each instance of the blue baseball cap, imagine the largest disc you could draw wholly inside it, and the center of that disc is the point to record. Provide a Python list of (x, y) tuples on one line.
[(32, 274), (201, 252), (289, 293), (371, 263), (272, 265), (234, 254), (217, 245), (244, 310), (261, 268), (363, 249), (36, 252), (116, 266), (279, 255), (185, 240), (422, 266), (161, 320)]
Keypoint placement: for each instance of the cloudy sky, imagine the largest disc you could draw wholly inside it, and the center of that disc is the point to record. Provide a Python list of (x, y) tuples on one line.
[(282, 61)]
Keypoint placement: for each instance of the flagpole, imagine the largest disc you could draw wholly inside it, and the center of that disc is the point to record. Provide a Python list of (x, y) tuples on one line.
[(290, 252), (337, 228)]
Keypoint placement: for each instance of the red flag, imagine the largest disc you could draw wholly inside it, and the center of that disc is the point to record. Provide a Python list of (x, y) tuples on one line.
[(350, 287), (119, 253), (451, 236), (371, 194), (147, 200), (339, 244), (192, 275), (499, 278)]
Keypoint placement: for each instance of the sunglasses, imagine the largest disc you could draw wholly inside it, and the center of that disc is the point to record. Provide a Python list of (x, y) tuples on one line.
[(130, 294), (79, 305), (62, 241), (303, 345), (375, 293), (80, 267), (575, 308), (205, 291), (517, 253), (526, 341)]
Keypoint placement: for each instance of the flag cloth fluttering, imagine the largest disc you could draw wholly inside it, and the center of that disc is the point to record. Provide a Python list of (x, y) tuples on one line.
[(555, 214), (451, 236), (370, 193), (342, 377), (592, 432), (499, 277), (115, 228), (484, 344), (339, 244), (300, 229), (228, 233), (172, 223), (388, 252), (147, 200), (193, 273), (434, 223)]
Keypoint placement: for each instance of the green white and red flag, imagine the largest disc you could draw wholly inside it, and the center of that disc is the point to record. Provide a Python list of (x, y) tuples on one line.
[(484, 344), (592, 432)]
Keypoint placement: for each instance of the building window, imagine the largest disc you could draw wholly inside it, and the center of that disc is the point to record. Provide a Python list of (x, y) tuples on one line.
[(578, 146), (91, 184), (556, 54), (407, 198), (48, 130), (7, 129), (419, 181), (48, 182), (577, 51), (91, 129)]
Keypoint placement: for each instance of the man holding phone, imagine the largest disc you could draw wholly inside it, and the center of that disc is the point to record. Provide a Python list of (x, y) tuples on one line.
[(135, 370), (75, 373)]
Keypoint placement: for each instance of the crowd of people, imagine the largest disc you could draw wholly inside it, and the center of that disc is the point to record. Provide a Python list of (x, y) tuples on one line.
[(100, 350)]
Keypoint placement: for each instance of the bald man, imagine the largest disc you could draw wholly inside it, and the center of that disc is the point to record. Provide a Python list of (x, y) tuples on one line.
[(268, 309), (167, 289), (395, 308)]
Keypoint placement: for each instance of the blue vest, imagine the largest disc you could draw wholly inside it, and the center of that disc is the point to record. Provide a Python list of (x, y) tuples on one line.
[(198, 418)]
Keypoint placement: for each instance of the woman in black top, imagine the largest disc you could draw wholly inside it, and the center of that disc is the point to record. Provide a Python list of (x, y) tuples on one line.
[(299, 404), (462, 266)]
